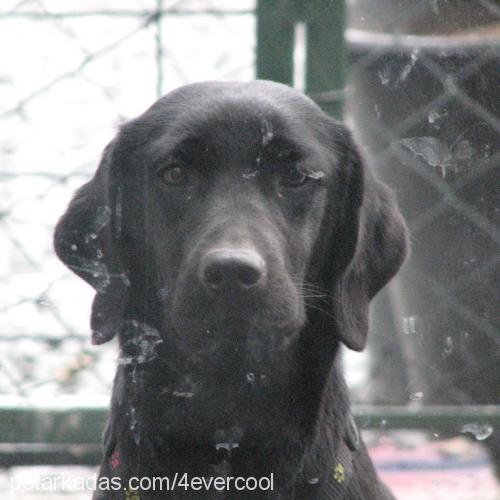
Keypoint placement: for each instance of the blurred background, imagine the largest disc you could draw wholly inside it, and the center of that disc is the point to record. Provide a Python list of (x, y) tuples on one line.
[(417, 80)]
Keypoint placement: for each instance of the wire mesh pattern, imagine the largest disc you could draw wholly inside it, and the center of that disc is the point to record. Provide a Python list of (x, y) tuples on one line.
[(75, 71), (421, 96), (424, 101)]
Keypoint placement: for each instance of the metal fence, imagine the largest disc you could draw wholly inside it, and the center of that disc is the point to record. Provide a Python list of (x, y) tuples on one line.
[(76, 70), (426, 109), (423, 99), (421, 96), (71, 72)]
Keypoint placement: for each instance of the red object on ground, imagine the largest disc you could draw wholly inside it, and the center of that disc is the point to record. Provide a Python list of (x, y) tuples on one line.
[(456, 469)]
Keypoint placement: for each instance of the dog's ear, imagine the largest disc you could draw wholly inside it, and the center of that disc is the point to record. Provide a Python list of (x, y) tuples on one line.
[(373, 239), (87, 240)]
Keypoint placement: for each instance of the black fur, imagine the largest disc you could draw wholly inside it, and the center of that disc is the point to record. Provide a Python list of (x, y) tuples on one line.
[(258, 366)]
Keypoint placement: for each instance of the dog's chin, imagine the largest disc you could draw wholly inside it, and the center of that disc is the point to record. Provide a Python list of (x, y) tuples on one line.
[(240, 333), (235, 353)]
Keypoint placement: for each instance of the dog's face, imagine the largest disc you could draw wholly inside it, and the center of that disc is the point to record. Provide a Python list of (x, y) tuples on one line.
[(235, 194), (234, 209), (230, 214)]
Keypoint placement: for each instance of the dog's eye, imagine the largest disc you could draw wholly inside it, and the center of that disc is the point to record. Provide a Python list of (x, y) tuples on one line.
[(294, 178), (174, 176)]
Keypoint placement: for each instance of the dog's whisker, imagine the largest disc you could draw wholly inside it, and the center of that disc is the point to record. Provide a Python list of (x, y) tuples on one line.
[(324, 311)]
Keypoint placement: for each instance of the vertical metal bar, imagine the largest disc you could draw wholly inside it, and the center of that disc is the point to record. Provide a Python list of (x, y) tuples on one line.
[(275, 36), (325, 47), (159, 48), (325, 60)]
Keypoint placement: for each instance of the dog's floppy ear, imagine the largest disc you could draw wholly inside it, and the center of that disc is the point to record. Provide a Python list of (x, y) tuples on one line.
[(87, 240), (375, 242)]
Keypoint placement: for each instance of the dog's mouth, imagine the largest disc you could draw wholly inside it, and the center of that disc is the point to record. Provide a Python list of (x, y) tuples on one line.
[(202, 321), (243, 355), (233, 325), (234, 297)]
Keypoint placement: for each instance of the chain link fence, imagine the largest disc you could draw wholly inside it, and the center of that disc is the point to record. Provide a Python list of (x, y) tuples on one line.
[(71, 73), (423, 99), (425, 103), (422, 96)]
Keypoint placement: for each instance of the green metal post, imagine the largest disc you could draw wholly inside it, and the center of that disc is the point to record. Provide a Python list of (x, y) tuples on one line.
[(325, 63), (275, 38)]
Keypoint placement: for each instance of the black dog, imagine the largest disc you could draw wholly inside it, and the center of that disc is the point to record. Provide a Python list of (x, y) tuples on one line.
[(234, 238)]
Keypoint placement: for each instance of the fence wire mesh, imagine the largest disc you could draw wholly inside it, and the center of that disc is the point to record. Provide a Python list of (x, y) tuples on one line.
[(424, 100), (71, 73), (422, 97)]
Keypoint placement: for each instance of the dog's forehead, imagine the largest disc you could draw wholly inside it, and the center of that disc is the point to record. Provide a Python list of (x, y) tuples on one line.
[(259, 95), (235, 121), (247, 121), (222, 115), (223, 122)]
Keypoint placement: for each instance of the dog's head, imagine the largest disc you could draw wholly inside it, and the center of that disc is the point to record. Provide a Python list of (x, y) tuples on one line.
[(232, 212)]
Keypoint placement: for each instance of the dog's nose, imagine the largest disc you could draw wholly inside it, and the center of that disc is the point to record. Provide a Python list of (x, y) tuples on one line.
[(232, 268)]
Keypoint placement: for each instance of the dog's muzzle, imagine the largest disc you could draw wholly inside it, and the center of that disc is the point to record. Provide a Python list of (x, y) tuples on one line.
[(232, 270)]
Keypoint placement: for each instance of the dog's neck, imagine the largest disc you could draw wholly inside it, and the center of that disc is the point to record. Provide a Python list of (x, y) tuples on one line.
[(174, 411)]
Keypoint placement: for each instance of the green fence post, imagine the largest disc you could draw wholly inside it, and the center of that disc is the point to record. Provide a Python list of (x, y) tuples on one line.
[(275, 40), (325, 47), (325, 63)]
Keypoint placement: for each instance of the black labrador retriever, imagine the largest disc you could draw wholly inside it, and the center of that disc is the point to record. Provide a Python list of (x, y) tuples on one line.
[(234, 238)]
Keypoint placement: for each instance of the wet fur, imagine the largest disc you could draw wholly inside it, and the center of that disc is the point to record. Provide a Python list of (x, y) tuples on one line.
[(261, 370)]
